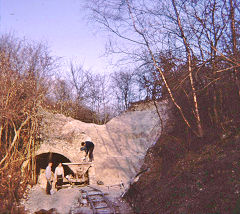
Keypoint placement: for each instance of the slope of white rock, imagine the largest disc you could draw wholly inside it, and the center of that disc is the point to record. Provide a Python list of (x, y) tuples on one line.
[(120, 145)]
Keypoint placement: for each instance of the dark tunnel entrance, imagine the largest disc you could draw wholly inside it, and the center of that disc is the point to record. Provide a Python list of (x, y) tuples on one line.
[(43, 159)]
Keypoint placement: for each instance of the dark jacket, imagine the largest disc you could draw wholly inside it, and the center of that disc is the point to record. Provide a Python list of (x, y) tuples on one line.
[(89, 146)]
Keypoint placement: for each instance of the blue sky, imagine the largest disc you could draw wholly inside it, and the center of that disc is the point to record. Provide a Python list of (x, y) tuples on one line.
[(60, 23)]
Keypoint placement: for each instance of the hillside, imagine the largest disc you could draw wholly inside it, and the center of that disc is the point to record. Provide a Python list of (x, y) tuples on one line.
[(204, 180)]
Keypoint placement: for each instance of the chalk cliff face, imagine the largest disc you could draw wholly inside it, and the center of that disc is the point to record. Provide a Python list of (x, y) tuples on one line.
[(120, 145)]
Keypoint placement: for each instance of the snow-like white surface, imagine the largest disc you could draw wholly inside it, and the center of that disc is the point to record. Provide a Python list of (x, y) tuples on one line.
[(120, 145)]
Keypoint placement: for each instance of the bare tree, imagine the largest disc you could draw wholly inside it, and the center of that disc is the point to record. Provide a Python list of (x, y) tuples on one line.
[(25, 70), (62, 96), (80, 80), (98, 96), (91, 90), (190, 73), (124, 16), (196, 33), (235, 50), (123, 84)]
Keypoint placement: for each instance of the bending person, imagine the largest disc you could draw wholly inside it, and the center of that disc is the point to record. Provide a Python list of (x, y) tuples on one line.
[(88, 147)]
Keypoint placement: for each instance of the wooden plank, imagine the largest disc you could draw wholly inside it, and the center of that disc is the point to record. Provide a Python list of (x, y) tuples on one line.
[(95, 200), (99, 209), (109, 203), (91, 203), (102, 207), (83, 163), (94, 193), (104, 212)]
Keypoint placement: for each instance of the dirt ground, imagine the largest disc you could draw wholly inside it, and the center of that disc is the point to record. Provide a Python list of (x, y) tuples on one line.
[(65, 201), (179, 181)]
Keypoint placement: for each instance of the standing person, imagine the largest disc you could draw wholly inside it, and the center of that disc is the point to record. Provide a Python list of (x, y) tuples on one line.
[(48, 175), (88, 147), (59, 175)]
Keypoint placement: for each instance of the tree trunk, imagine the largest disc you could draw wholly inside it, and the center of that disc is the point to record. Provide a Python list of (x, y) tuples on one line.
[(234, 43), (195, 101), (160, 70)]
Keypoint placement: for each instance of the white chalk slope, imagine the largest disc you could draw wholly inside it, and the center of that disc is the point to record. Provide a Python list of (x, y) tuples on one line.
[(120, 145)]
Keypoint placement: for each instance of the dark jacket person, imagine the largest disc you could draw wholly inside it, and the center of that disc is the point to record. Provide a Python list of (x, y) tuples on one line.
[(88, 147)]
